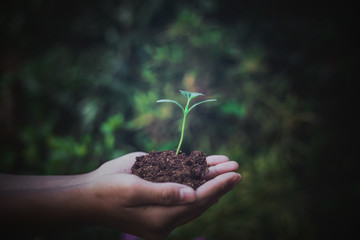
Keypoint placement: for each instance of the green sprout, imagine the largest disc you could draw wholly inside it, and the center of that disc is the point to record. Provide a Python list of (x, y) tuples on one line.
[(186, 110)]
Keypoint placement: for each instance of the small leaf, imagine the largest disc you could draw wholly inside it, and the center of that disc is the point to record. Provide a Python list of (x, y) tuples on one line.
[(171, 101), (190, 95), (210, 100)]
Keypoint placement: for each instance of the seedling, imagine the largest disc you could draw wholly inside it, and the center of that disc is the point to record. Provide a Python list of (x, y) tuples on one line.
[(186, 110)]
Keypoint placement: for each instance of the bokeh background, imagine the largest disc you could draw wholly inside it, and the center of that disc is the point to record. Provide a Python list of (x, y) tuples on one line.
[(79, 81)]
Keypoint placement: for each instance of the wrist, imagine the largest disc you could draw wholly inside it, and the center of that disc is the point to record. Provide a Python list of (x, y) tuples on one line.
[(91, 209)]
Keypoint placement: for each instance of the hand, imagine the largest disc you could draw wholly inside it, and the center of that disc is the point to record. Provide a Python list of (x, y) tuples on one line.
[(124, 201), (109, 196)]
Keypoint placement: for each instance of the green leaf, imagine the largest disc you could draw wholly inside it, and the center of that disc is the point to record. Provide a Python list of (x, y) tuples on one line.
[(171, 101), (210, 100), (190, 95)]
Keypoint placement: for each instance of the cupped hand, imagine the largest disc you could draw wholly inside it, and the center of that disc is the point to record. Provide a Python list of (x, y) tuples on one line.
[(152, 210)]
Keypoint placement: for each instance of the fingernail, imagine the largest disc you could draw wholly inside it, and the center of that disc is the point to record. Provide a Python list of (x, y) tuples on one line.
[(238, 179), (235, 181), (187, 195)]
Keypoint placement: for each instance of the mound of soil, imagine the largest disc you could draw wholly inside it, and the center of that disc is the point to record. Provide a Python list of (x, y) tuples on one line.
[(165, 166)]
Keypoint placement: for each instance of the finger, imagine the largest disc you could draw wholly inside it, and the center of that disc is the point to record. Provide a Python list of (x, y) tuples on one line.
[(163, 194), (216, 187), (216, 159), (206, 195), (220, 169)]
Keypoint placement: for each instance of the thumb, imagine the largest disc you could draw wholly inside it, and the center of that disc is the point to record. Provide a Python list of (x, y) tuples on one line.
[(165, 194)]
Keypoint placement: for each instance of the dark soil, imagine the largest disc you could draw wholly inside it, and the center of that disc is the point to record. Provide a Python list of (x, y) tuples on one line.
[(165, 166)]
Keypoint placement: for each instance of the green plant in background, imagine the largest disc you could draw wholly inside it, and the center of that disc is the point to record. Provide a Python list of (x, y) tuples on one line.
[(186, 110)]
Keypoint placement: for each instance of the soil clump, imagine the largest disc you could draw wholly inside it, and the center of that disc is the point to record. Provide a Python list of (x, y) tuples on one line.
[(165, 166)]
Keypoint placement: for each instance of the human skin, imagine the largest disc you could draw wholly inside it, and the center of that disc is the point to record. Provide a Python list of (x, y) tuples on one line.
[(110, 196)]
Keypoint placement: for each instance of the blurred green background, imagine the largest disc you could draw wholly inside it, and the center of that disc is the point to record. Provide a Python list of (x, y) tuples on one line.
[(79, 81)]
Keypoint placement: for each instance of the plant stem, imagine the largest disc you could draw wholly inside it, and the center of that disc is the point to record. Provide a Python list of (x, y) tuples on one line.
[(186, 111), (182, 135)]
